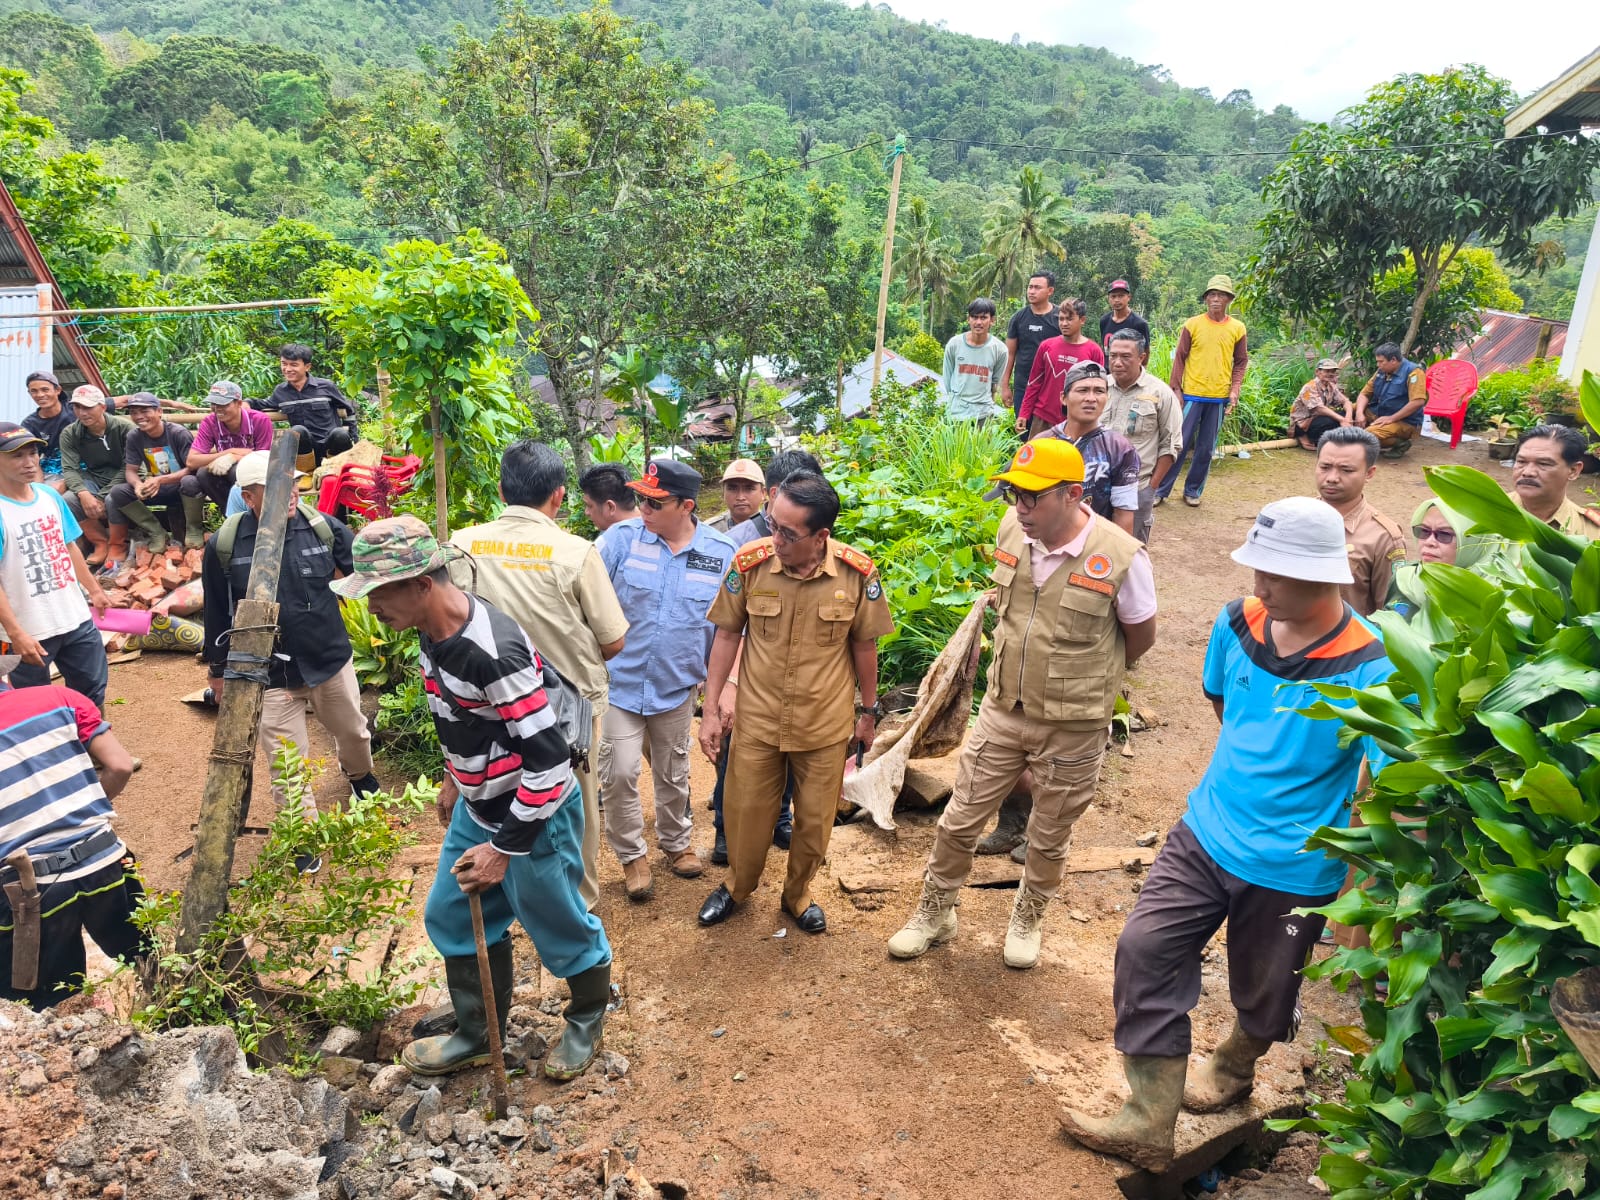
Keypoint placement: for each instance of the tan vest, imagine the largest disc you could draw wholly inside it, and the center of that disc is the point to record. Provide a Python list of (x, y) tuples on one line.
[(1059, 648)]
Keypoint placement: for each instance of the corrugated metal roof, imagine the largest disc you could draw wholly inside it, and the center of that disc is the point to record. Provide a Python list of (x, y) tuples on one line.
[(1510, 340), (858, 383), (1569, 102), (21, 265)]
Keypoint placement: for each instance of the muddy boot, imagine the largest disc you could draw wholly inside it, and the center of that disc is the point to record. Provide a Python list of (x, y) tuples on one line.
[(95, 533), (194, 522), (585, 1029), (116, 550), (932, 923), (1025, 933), (1011, 829), (1228, 1075), (1140, 1131), (138, 513), (468, 1046)]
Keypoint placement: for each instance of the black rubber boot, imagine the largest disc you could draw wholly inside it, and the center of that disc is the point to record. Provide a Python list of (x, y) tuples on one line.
[(468, 1046), (366, 786), (1011, 828), (584, 1033)]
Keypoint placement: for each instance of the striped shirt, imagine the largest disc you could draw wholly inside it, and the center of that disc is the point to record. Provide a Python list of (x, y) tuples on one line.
[(50, 794), (502, 744)]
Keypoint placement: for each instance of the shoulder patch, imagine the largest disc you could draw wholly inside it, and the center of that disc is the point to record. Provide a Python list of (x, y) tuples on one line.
[(874, 587), (753, 556), (1005, 556), (1591, 515), (734, 582), (854, 558)]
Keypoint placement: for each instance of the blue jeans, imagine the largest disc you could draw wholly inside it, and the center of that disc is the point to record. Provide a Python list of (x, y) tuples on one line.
[(81, 656), (540, 890), (1202, 422), (785, 814)]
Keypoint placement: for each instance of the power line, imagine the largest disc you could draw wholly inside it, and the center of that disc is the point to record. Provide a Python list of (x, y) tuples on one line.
[(1278, 153)]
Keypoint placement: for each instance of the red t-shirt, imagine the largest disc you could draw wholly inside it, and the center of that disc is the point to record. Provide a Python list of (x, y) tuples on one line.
[(1050, 366)]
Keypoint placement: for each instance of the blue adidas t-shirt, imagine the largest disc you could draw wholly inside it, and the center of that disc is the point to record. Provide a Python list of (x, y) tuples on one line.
[(1277, 776)]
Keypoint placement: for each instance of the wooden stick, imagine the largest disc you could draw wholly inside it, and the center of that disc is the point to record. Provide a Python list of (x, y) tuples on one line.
[(888, 259), (1275, 444), (309, 301), (255, 623), (497, 1052)]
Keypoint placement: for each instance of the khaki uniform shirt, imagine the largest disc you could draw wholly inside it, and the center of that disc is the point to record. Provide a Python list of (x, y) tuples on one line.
[(553, 584), (1571, 519), (721, 522), (1375, 544), (1149, 415), (797, 679)]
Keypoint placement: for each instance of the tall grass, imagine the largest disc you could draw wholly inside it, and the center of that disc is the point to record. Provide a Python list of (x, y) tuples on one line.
[(1274, 378)]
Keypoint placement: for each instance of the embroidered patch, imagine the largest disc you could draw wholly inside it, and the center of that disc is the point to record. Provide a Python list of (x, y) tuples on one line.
[(1094, 585), (734, 582), (1003, 556), (1024, 456), (855, 558), (650, 475), (703, 562), (874, 589), (1097, 566), (754, 556)]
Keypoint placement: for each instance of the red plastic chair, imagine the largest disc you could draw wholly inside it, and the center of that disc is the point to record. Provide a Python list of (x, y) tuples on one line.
[(1452, 382), (356, 488)]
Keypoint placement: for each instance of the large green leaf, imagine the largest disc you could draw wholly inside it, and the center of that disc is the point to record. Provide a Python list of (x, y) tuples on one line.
[(1550, 793), (1480, 499), (1534, 681), (1517, 892), (1512, 732)]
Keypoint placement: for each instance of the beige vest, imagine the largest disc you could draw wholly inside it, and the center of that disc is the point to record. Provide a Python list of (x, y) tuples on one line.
[(1059, 648)]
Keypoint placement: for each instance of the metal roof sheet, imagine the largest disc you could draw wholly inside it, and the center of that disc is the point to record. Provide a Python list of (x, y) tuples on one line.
[(1569, 102), (1510, 340)]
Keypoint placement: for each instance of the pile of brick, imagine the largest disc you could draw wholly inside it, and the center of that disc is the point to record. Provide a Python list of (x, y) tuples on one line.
[(146, 579)]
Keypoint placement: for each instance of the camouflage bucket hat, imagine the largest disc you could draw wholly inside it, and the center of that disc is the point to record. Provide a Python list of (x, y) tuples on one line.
[(390, 550)]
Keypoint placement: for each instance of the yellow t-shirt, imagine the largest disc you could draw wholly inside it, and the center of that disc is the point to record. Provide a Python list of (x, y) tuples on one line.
[(1209, 369)]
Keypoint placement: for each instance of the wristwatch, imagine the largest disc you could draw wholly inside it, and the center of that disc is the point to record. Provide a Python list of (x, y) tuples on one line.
[(875, 711)]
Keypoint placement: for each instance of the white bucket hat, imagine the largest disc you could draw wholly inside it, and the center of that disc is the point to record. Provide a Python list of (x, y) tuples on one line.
[(1298, 538)]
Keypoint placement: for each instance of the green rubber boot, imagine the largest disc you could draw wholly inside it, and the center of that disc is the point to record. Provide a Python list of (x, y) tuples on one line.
[(1140, 1131), (1228, 1075), (194, 522), (468, 1046), (139, 514), (586, 1015)]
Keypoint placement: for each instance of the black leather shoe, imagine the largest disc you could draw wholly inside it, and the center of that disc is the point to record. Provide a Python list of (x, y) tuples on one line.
[(812, 920), (719, 851), (719, 907), (782, 835)]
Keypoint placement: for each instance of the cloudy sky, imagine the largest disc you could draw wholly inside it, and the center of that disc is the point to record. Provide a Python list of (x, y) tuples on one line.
[(1317, 58)]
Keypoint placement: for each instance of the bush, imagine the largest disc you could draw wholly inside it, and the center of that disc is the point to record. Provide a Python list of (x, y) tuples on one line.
[(1271, 383), (1480, 850), (382, 657), (923, 349), (406, 735), (1520, 399)]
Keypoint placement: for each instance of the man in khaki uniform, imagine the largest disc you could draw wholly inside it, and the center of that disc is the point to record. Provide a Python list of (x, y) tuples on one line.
[(1146, 412), (1077, 604), (1548, 458), (1346, 458), (810, 611), (744, 491), (553, 584)]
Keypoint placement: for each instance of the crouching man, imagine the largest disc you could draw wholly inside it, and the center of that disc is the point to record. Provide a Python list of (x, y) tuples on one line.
[(1238, 854), (517, 841)]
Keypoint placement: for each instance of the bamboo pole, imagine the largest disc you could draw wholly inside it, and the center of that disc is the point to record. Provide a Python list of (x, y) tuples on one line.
[(888, 258), (1275, 444), (441, 492), (233, 749), (385, 415)]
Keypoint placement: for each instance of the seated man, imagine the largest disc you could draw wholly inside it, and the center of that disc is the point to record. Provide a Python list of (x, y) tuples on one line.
[(226, 434), (92, 450), (154, 463), (316, 409), (1391, 403), (1320, 406), (64, 768), (50, 416)]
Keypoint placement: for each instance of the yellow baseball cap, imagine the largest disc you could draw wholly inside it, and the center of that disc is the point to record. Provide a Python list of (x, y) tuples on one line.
[(1039, 465)]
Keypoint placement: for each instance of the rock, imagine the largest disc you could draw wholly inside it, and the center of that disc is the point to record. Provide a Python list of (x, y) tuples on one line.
[(739, 1077), (1147, 839), (452, 1185), (511, 1132), (429, 1105), (529, 1046), (539, 1139), (718, 1032), (390, 1080), (114, 1191), (469, 1128), (340, 1071), (543, 1113), (79, 1152), (616, 1066), (403, 1189), (437, 1128), (1081, 917), (31, 1080)]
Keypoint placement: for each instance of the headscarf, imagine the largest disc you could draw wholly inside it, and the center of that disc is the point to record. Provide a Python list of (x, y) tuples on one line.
[(1469, 549)]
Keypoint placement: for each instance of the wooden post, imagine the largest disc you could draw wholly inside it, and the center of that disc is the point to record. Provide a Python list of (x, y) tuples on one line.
[(888, 258), (233, 750), (838, 388), (441, 492), (385, 416)]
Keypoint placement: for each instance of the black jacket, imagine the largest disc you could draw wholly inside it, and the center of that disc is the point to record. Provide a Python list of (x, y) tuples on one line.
[(319, 408)]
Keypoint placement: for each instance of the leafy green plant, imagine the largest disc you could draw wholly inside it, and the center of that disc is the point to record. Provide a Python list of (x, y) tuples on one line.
[(923, 349), (1478, 850), (1519, 399), (303, 933), (382, 656), (407, 737)]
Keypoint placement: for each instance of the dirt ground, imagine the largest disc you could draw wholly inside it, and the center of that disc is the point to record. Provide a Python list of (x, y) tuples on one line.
[(771, 1064)]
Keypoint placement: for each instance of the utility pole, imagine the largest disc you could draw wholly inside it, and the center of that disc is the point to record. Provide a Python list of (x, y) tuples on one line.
[(898, 155)]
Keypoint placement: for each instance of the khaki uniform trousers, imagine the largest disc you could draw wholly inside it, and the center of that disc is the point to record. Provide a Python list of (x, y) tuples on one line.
[(589, 785), (1390, 432), (1066, 768), (757, 774), (626, 740), (336, 703)]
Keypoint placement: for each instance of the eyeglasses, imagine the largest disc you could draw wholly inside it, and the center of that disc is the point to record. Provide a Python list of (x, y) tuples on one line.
[(1021, 499), (782, 533), (655, 505), (1445, 537)]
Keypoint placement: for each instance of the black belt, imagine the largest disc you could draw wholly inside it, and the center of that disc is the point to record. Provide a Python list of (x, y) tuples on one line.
[(63, 860)]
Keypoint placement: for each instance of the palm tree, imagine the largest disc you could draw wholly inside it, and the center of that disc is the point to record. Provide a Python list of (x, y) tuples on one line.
[(940, 275), (916, 237), (805, 141), (1019, 230)]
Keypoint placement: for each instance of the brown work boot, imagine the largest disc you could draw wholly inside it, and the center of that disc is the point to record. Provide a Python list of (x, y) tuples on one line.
[(1140, 1131), (1228, 1075), (685, 863), (636, 878)]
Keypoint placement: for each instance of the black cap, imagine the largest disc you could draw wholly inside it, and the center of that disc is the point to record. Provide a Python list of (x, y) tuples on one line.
[(15, 437), (665, 477)]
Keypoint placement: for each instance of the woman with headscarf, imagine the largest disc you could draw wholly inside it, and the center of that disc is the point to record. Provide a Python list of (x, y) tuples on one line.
[(1441, 535)]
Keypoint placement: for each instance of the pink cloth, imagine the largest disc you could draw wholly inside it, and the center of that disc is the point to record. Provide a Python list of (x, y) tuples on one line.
[(1135, 599)]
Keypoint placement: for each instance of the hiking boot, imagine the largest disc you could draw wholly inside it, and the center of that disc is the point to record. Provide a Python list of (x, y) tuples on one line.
[(1228, 1075), (584, 1032), (468, 1046), (685, 864), (1140, 1132), (1025, 933), (932, 923), (194, 522), (1011, 829), (636, 879), (719, 850)]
